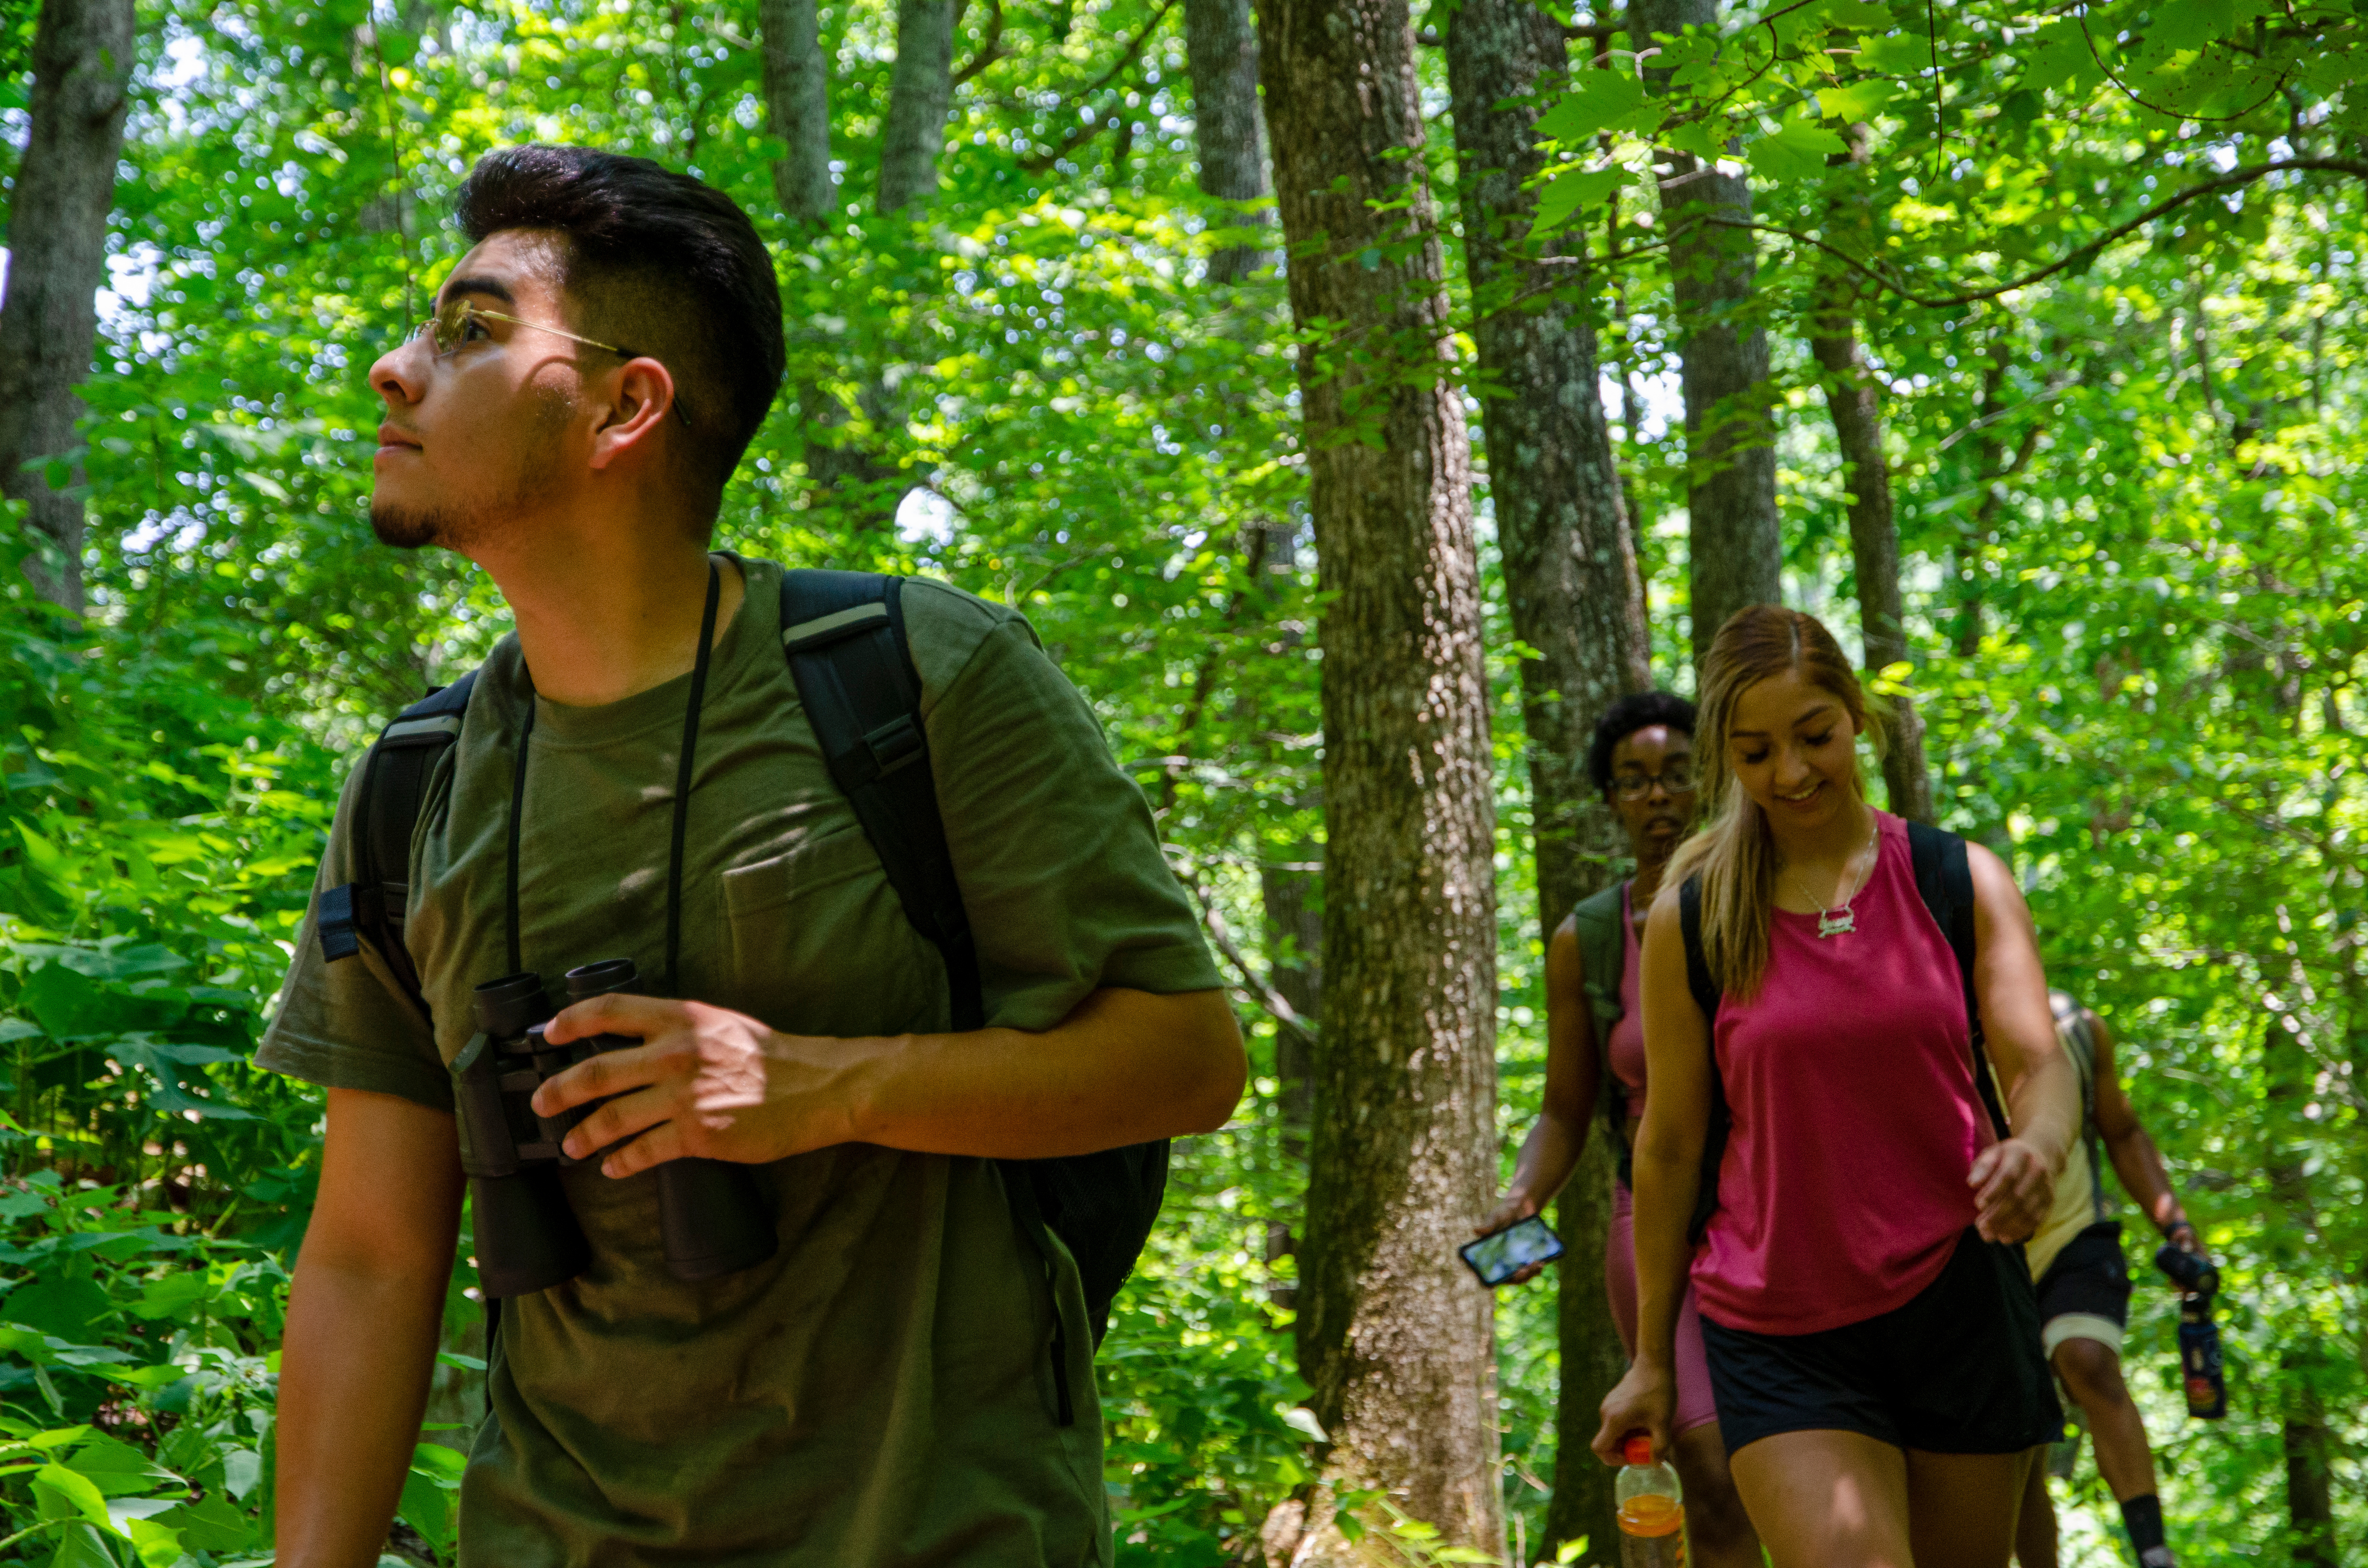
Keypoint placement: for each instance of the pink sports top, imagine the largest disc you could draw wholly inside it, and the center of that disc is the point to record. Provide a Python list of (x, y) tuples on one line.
[(1842, 1192), (1625, 1048)]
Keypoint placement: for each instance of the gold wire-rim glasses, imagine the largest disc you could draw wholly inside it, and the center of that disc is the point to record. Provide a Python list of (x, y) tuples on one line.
[(443, 332)]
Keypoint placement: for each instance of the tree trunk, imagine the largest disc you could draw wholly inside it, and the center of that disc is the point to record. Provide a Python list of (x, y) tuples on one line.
[(2303, 1432), (920, 93), (1736, 552), (2310, 1503), (1294, 945), (797, 96), (1851, 398), (1571, 580), (1395, 1335), (1221, 43), (57, 260)]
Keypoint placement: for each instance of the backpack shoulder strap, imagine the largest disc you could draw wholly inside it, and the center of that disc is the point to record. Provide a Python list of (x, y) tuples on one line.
[(1944, 879), (386, 813), (1595, 923), (843, 635), (1706, 992)]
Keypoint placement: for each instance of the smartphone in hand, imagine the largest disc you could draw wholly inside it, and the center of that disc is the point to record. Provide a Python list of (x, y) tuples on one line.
[(1499, 1255)]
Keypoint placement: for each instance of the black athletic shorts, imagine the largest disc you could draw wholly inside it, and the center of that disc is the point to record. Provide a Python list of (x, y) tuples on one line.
[(1957, 1371), (2089, 1278)]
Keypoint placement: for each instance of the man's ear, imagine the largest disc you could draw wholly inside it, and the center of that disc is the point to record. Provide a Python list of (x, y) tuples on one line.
[(641, 397)]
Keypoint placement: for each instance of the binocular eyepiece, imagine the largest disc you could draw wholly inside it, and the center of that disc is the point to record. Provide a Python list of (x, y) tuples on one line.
[(713, 1217)]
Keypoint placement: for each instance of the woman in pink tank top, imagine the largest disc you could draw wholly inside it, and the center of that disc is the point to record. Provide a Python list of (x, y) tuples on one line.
[(1867, 1317), (1642, 761)]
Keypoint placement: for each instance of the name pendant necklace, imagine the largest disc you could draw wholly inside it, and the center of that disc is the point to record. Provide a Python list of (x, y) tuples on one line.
[(1834, 922)]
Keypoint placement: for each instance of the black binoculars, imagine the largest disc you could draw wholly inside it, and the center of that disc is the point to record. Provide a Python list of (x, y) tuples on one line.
[(714, 1219), (2189, 1272)]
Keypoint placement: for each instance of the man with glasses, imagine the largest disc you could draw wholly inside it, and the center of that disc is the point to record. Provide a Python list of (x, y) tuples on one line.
[(2084, 1292), (904, 1377)]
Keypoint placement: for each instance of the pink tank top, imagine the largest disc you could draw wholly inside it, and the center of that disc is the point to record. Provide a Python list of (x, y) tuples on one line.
[(1625, 1047), (1843, 1193)]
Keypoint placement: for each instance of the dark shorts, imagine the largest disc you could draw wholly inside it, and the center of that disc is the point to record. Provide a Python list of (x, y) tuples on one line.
[(2089, 1281), (1957, 1371)]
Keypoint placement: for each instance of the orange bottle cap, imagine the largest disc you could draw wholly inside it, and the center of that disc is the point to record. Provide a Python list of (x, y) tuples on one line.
[(1638, 1449)]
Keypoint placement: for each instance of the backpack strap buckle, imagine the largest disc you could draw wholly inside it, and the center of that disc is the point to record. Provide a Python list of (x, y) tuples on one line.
[(340, 934), (894, 745)]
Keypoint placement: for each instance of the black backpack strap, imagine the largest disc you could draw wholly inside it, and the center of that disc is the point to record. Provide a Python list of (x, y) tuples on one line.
[(1706, 992), (386, 815), (1944, 879), (1596, 922), (844, 634)]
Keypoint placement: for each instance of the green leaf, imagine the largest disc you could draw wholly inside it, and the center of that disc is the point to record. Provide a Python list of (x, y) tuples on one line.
[(2059, 58), (159, 1546), (1859, 15), (2192, 24), (428, 1509), (1601, 101), (62, 1305), (1796, 150), (119, 1469), (1856, 104), (211, 1524), (1571, 191), (84, 1546), (61, 1494)]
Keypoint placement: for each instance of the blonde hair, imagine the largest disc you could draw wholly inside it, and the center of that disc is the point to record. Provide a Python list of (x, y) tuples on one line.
[(1734, 854)]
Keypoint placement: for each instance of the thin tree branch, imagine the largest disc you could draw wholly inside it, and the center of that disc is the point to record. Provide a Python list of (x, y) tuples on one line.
[(990, 47), (1259, 989), (1037, 162), (2233, 179)]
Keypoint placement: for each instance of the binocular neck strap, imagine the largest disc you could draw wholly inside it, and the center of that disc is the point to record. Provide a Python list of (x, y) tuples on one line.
[(681, 793)]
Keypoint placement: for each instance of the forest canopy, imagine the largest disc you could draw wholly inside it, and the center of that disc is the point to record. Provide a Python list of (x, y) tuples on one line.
[(2073, 292)]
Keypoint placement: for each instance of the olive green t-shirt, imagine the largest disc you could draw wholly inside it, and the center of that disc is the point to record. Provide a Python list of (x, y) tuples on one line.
[(882, 1390)]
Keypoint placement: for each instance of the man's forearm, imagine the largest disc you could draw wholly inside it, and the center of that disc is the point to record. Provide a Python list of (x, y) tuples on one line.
[(2145, 1176), (353, 1383), (1126, 1067)]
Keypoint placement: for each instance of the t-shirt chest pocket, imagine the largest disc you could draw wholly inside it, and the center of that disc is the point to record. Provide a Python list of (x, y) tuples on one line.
[(820, 944)]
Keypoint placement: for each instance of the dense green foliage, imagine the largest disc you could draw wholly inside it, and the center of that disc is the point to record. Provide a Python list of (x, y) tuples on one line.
[(2128, 505)]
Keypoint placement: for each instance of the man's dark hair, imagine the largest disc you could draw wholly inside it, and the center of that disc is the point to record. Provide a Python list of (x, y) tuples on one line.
[(657, 262), (1637, 710)]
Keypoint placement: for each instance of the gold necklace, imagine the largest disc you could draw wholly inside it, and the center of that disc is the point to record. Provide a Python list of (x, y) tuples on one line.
[(1832, 923)]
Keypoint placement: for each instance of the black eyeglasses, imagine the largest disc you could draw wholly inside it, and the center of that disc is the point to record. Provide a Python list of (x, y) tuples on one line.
[(1677, 779), (449, 327)]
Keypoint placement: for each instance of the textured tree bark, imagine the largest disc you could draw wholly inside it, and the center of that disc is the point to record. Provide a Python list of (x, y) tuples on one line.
[(1851, 400), (1735, 553), (921, 93), (1294, 936), (1571, 580), (797, 96), (1221, 45), (57, 259), (1395, 1335)]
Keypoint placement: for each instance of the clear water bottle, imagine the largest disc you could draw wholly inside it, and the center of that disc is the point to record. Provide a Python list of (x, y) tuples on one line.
[(1651, 1510)]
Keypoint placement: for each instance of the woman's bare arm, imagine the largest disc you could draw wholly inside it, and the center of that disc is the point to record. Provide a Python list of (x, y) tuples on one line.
[(1667, 1167), (2014, 1181), (1573, 1072)]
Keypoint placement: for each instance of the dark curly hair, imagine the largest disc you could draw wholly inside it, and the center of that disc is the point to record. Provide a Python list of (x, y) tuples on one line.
[(1637, 710), (656, 260)]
